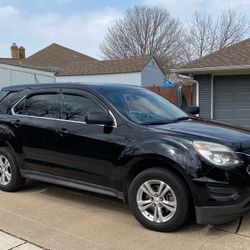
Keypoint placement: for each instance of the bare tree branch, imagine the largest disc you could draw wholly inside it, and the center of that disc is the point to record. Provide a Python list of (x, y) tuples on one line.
[(144, 31), (206, 34), (153, 31)]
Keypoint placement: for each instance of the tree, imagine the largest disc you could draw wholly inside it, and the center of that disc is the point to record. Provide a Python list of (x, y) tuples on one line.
[(144, 31), (153, 31), (206, 34)]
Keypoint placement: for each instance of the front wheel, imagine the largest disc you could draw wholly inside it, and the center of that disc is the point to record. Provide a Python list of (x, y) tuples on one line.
[(159, 199)]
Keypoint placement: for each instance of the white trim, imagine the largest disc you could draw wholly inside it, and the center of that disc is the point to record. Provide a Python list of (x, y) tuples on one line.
[(191, 82), (212, 97), (197, 92), (214, 68)]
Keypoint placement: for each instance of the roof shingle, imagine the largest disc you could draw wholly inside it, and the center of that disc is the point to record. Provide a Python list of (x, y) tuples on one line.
[(105, 67), (56, 56), (235, 55), (67, 62)]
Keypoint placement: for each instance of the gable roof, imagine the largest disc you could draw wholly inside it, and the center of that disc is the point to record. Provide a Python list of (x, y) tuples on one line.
[(105, 67), (67, 62), (55, 56), (237, 55)]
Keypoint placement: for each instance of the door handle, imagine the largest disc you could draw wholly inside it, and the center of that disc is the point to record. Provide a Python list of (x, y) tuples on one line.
[(16, 123), (62, 132)]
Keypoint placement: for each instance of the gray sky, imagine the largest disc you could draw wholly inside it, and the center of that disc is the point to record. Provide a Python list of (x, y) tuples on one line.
[(81, 24)]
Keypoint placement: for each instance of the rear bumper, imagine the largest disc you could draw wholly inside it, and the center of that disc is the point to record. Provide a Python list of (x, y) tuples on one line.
[(221, 214)]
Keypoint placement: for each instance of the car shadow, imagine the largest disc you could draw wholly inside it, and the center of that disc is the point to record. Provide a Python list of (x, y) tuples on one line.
[(84, 198)]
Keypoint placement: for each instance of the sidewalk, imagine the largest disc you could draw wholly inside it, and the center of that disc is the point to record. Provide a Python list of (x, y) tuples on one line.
[(9, 242)]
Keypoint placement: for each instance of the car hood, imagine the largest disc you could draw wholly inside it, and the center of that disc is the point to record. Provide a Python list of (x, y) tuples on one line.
[(208, 130)]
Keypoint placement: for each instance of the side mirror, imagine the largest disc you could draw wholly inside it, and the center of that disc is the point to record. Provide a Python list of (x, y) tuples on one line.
[(193, 110), (100, 119)]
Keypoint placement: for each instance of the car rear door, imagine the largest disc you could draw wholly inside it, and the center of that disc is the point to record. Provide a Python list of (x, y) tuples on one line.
[(33, 120), (85, 152)]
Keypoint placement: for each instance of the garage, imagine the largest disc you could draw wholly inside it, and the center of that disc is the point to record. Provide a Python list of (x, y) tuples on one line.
[(222, 83), (232, 99)]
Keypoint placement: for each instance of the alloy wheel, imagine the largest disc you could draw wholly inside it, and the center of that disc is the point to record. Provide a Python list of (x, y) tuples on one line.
[(156, 201)]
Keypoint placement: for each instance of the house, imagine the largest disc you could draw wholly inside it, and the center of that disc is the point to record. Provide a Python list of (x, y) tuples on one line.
[(143, 71), (13, 71), (61, 64), (223, 83)]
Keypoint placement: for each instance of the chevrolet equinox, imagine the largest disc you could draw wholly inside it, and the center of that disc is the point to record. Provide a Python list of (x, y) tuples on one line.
[(127, 142)]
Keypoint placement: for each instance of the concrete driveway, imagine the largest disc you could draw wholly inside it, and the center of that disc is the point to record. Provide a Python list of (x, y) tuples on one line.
[(58, 218)]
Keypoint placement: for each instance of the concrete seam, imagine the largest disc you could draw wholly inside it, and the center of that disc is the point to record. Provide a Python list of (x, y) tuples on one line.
[(17, 245), (25, 241)]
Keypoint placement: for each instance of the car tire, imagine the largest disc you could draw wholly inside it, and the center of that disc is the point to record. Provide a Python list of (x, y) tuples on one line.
[(170, 199), (10, 177)]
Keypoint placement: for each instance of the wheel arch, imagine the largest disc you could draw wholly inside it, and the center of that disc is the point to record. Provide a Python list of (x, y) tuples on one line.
[(145, 164), (13, 148)]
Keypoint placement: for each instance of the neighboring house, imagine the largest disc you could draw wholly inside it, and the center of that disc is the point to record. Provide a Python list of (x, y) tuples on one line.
[(11, 74), (223, 88), (139, 71), (14, 70), (61, 64)]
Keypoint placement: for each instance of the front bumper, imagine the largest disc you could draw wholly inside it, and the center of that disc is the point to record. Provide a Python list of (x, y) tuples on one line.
[(221, 214), (221, 195)]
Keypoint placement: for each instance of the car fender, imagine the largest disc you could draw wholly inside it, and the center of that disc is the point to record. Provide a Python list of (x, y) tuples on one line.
[(8, 138), (163, 149)]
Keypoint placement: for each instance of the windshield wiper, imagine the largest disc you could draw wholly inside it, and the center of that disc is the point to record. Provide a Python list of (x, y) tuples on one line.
[(154, 123), (182, 118), (165, 122)]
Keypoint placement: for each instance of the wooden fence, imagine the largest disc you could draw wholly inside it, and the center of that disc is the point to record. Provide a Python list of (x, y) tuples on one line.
[(170, 93)]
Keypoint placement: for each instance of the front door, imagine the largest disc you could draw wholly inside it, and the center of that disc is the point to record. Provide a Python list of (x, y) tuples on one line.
[(85, 152)]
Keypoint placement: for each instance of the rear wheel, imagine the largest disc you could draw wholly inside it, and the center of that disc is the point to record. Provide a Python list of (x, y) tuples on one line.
[(10, 177), (159, 199)]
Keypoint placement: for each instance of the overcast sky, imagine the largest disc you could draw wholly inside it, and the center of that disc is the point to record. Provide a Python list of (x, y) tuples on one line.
[(81, 24)]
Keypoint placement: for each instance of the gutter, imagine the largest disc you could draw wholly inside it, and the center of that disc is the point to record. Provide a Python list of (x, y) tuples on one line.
[(214, 69)]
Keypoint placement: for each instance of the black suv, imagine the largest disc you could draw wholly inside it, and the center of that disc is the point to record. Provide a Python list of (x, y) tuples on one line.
[(129, 143)]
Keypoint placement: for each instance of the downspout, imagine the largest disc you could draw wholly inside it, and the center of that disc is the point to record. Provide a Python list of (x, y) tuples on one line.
[(184, 78)]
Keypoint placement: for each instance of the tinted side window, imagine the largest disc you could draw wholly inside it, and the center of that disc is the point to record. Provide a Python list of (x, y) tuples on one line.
[(77, 107), (43, 105)]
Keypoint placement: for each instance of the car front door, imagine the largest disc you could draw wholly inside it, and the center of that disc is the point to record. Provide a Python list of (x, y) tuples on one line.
[(85, 152), (33, 120)]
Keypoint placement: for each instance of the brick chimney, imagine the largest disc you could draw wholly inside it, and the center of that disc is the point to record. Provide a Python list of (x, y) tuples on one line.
[(21, 51), (14, 51)]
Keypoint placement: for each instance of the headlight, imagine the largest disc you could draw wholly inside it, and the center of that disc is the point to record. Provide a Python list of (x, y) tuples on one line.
[(217, 154)]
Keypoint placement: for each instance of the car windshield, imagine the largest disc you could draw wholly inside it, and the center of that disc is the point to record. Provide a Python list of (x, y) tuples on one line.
[(142, 106)]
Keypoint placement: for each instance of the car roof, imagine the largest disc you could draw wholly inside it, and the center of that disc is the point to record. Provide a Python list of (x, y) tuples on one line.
[(93, 86)]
